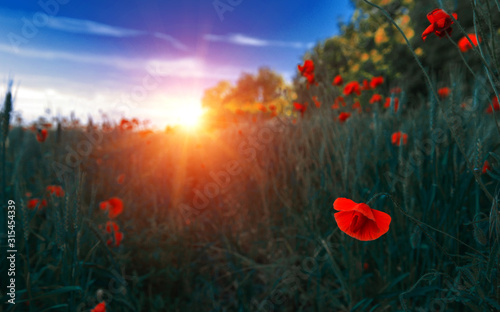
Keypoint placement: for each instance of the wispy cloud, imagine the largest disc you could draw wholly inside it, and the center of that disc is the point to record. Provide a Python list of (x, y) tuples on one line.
[(240, 39), (176, 43), (81, 26)]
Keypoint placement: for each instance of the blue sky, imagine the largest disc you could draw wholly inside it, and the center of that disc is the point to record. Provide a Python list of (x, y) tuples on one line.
[(149, 59)]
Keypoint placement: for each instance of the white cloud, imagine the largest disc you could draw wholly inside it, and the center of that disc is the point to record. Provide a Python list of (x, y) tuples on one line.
[(240, 39), (176, 43), (81, 26)]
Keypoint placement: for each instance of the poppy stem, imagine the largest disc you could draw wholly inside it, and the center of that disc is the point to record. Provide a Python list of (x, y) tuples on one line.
[(420, 223)]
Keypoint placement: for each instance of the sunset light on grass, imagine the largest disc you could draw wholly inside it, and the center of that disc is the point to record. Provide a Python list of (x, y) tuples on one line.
[(236, 155)]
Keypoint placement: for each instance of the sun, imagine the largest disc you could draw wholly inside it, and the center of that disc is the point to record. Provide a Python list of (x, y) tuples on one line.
[(189, 115)]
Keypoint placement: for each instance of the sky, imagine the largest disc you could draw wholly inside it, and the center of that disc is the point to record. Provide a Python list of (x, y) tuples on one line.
[(149, 59)]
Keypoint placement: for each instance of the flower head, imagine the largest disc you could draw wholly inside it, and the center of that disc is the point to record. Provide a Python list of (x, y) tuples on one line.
[(486, 167), (100, 307), (444, 92), (398, 137), (496, 106), (41, 135), (464, 43), (338, 81), (300, 108), (344, 116), (375, 98), (55, 189), (359, 220), (440, 23), (114, 205), (32, 203), (388, 103), (352, 87), (376, 81)]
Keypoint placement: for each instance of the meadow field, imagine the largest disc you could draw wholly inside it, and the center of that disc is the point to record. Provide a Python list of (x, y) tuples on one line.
[(398, 113)]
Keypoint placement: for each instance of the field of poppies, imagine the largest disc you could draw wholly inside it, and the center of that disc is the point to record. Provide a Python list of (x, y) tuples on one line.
[(371, 184)]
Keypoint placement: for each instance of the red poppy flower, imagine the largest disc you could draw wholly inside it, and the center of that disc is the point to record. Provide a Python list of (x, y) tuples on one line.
[(300, 108), (496, 106), (464, 43), (444, 92), (356, 105), (375, 98), (351, 87), (397, 137), (307, 68), (396, 90), (32, 203), (344, 116), (41, 135), (440, 23), (376, 81), (28, 194), (272, 107), (486, 167), (55, 189), (118, 238), (366, 85), (112, 226), (310, 80), (100, 307), (338, 100), (388, 103), (359, 220), (121, 178), (114, 205), (316, 102), (338, 81)]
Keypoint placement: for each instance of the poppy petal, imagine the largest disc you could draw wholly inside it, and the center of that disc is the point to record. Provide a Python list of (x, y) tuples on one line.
[(344, 204)]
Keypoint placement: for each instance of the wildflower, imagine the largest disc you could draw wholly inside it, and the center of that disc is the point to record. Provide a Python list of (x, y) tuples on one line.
[(125, 124), (351, 87), (307, 68), (366, 85), (444, 92), (144, 133), (359, 220), (112, 227), (397, 137), (464, 43), (440, 23), (486, 167), (396, 90), (272, 107), (375, 98), (55, 189), (114, 205), (41, 135), (300, 108), (32, 203), (388, 103), (100, 307), (337, 81), (316, 102), (338, 100), (344, 116), (121, 178), (307, 71), (496, 106), (376, 81)]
